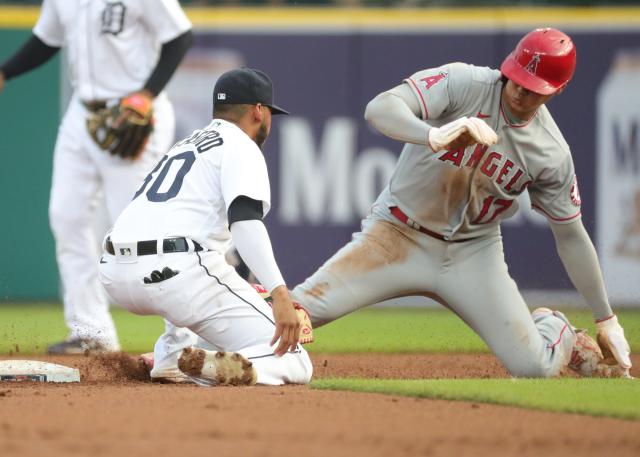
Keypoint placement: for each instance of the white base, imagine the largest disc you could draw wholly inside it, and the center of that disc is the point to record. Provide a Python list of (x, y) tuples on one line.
[(33, 370)]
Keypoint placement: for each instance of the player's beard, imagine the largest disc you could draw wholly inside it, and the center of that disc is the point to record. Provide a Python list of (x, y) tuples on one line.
[(262, 134)]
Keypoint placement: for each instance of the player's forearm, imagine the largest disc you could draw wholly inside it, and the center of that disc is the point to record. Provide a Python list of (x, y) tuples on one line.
[(31, 55), (390, 114), (580, 260), (171, 55), (254, 246)]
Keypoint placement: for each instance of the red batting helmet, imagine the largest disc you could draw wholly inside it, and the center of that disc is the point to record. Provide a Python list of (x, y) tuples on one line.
[(543, 61)]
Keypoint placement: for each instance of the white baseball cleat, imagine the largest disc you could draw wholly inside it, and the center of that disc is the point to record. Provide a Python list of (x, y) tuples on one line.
[(167, 375), (540, 311), (208, 368), (170, 376)]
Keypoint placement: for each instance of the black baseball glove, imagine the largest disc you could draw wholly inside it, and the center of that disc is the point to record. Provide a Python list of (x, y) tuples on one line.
[(123, 129)]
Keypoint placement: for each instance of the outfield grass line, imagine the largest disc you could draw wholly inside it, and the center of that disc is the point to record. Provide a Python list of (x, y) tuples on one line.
[(617, 398), (374, 330)]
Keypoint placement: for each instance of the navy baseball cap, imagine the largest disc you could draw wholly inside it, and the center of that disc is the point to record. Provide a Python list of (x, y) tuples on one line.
[(245, 86)]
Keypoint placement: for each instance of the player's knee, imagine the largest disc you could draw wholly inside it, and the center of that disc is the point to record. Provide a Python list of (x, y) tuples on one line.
[(315, 309), (306, 369)]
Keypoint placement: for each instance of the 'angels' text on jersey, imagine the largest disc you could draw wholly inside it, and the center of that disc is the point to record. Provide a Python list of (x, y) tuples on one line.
[(464, 193)]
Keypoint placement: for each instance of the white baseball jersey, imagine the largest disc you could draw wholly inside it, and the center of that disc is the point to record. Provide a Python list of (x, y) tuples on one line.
[(108, 53), (465, 193), (197, 181), (206, 303)]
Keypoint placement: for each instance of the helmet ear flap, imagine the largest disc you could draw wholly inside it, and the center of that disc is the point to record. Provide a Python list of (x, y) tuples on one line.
[(543, 61)]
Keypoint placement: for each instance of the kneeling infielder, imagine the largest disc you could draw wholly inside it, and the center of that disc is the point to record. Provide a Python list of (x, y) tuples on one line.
[(166, 252), (475, 139)]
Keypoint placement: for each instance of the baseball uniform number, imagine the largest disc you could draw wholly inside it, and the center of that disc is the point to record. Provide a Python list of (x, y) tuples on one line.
[(188, 158), (153, 195), (501, 206), (203, 142)]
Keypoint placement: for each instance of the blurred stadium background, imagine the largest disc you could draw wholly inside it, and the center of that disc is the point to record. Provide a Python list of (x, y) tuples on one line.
[(328, 59)]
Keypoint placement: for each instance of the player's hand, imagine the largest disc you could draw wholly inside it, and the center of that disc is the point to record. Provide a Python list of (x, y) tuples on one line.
[(462, 132), (287, 323), (463, 141), (613, 343), (137, 106)]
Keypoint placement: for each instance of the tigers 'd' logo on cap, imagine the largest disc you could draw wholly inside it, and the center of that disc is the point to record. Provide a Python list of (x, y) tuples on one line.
[(532, 66)]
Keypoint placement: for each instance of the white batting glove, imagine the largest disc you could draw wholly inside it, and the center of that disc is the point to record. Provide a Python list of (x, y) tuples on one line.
[(462, 132), (611, 338), (481, 132)]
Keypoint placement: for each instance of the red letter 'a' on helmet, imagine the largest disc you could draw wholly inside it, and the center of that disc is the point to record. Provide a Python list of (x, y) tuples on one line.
[(543, 61)]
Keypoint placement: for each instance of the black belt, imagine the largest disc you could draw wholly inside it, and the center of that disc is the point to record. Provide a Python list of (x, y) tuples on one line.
[(95, 105), (149, 247)]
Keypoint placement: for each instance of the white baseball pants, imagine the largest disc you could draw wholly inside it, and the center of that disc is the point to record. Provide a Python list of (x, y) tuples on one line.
[(80, 171), (208, 298)]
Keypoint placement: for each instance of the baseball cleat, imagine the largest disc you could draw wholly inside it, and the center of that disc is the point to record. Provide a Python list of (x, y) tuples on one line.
[(217, 368), (79, 346), (171, 377), (163, 376), (540, 311)]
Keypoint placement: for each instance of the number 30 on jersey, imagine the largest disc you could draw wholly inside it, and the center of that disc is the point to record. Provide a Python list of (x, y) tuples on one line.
[(203, 140)]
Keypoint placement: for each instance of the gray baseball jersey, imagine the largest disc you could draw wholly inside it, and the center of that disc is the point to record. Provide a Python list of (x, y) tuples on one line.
[(465, 193)]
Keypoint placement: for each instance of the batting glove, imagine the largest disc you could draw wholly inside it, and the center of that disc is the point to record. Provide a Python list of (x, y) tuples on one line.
[(613, 343), (462, 132)]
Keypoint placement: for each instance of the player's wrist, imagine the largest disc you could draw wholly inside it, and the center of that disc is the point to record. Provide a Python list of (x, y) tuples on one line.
[(145, 93), (604, 319), (280, 292), (429, 144), (608, 322)]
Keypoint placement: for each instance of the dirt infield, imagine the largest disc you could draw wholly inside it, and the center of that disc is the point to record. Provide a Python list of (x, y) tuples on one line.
[(115, 411)]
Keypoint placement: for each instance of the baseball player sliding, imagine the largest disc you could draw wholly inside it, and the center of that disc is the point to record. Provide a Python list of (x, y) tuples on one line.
[(121, 55), (166, 252), (475, 138)]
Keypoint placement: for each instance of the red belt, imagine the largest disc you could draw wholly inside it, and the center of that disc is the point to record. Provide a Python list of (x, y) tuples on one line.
[(402, 217)]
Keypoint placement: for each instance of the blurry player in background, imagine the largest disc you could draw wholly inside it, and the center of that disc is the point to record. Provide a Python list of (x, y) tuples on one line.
[(121, 55)]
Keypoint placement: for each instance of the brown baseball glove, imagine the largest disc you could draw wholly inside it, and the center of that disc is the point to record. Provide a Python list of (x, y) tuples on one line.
[(123, 129)]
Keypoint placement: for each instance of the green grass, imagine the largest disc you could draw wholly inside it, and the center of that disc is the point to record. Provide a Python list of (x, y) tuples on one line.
[(596, 397), (397, 331), (33, 326), (30, 328), (428, 330)]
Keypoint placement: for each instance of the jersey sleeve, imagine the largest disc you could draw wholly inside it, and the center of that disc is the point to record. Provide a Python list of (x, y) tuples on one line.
[(440, 90), (555, 193), (49, 28), (244, 172), (166, 19)]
